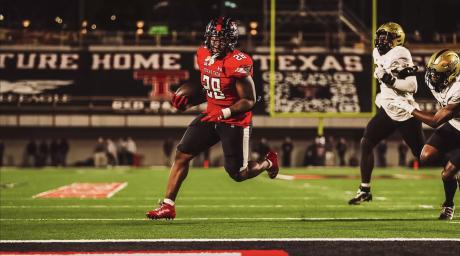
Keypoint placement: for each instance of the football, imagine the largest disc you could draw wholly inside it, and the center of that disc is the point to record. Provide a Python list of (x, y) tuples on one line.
[(195, 93)]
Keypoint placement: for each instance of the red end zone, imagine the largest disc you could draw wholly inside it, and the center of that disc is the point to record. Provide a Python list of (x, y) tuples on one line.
[(84, 190), (154, 253)]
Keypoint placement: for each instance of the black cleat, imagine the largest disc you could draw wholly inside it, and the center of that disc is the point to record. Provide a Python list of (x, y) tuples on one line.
[(447, 212), (363, 195)]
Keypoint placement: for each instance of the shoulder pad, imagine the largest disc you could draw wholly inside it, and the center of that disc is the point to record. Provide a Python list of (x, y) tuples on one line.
[(400, 58), (202, 51), (400, 52), (375, 53)]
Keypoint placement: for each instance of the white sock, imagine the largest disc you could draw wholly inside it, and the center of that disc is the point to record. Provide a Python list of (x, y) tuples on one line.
[(366, 185), (269, 163), (168, 201)]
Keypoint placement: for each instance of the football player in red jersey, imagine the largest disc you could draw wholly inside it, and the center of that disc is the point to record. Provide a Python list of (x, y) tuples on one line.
[(226, 76)]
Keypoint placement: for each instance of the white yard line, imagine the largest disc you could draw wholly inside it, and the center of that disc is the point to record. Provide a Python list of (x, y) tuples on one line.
[(233, 240), (191, 197), (392, 206), (205, 219)]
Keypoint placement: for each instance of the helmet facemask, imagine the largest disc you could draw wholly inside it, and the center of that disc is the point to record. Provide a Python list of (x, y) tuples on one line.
[(384, 41), (217, 45), (439, 80)]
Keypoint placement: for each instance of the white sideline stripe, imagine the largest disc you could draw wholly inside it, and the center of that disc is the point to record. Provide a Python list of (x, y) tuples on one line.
[(193, 198), (300, 239), (402, 206), (204, 198), (206, 219)]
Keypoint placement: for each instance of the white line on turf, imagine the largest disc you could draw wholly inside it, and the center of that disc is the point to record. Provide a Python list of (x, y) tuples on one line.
[(223, 197), (122, 186), (203, 198), (208, 219), (285, 177), (391, 239), (392, 206)]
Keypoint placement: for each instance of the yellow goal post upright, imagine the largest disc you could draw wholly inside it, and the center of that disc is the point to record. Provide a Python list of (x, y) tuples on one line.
[(319, 115)]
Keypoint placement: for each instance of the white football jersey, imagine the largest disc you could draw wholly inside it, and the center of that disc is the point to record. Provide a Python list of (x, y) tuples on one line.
[(397, 58), (450, 95)]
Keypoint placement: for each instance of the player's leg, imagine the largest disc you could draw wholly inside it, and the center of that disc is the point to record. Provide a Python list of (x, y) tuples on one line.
[(412, 133), (177, 175), (440, 142), (449, 180), (198, 137), (235, 144), (445, 139), (378, 128)]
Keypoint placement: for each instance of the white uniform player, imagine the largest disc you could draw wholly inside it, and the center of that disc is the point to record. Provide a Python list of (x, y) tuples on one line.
[(449, 95), (396, 74), (443, 78), (393, 62)]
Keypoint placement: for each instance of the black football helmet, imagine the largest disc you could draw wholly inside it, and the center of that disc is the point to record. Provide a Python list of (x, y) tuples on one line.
[(221, 35)]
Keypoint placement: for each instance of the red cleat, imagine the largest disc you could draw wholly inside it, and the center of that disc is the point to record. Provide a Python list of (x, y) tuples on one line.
[(164, 211), (272, 156)]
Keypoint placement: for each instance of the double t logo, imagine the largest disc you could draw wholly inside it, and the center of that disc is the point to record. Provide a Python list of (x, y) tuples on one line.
[(161, 80)]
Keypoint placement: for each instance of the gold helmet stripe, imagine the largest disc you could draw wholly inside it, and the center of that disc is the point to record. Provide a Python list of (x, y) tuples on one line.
[(440, 53)]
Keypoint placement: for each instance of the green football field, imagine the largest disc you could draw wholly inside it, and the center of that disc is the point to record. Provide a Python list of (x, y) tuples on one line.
[(211, 205)]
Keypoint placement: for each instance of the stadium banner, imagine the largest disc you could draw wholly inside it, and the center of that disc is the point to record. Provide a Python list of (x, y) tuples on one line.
[(140, 81)]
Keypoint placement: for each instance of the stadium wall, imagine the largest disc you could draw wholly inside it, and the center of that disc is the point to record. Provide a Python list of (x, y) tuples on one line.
[(150, 142)]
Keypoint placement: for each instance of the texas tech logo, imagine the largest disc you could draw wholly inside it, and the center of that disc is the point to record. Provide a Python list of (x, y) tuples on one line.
[(160, 81)]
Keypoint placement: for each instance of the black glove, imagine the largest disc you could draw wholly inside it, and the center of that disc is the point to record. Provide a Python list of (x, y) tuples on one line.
[(388, 79), (409, 71)]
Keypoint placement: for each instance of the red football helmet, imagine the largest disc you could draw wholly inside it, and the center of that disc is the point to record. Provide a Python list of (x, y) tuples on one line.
[(221, 35)]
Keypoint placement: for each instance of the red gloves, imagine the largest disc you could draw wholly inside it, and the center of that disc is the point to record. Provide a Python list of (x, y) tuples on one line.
[(214, 116), (179, 102), (217, 115)]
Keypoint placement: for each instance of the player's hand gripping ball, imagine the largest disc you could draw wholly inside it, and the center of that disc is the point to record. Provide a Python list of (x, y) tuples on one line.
[(187, 95)]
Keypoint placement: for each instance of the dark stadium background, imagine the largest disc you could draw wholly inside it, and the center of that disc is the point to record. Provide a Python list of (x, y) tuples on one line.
[(80, 70), (106, 103)]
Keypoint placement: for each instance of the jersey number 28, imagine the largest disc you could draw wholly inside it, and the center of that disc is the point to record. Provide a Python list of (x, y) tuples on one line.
[(212, 86)]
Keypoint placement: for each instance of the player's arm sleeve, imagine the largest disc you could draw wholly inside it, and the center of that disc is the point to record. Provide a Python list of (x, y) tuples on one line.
[(409, 84), (405, 71)]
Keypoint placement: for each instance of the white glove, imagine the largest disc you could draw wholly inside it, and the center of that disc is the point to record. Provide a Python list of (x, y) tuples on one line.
[(379, 72), (404, 105)]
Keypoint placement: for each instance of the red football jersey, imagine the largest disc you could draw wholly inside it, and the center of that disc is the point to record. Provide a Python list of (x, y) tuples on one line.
[(218, 77)]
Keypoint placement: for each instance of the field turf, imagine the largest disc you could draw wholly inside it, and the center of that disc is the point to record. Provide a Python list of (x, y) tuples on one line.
[(211, 205)]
